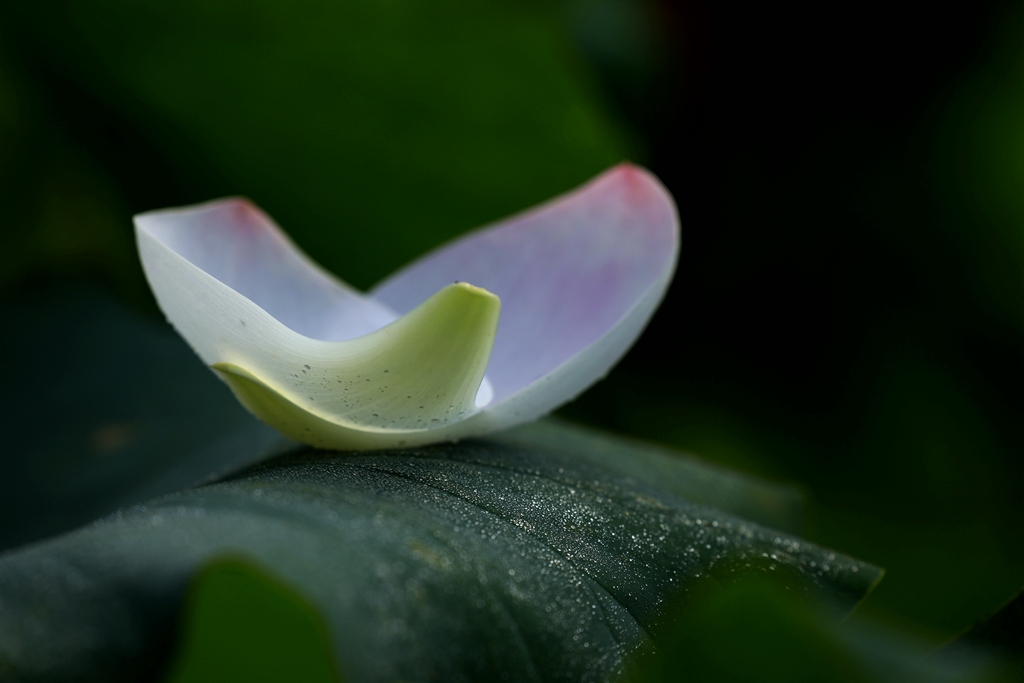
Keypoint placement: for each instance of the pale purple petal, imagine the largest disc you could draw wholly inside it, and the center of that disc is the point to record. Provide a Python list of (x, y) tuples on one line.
[(240, 246), (584, 271)]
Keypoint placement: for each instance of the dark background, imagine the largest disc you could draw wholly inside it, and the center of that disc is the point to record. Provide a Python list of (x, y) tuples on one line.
[(848, 311), (848, 301)]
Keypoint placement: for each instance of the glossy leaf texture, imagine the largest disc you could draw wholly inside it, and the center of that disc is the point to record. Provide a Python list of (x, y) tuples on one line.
[(457, 562), (545, 552)]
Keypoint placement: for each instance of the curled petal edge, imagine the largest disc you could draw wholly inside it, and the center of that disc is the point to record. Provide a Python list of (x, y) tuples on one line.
[(305, 386), (591, 267), (408, 381), (417, 379)]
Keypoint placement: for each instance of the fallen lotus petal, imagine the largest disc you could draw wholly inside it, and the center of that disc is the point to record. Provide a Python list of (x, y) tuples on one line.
[(575, 281)]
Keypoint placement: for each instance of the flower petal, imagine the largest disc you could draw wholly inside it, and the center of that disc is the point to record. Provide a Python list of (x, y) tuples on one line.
[(579, 277), (405, 383), (240, 246)]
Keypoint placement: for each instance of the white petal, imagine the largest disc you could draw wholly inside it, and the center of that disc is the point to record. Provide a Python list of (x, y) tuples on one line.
[(579, 278), (240, 246), (404, 384)]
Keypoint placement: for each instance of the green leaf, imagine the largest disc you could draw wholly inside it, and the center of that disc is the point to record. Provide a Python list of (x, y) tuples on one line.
[(243, 624), (545, 551), (472, 560), (753, 630), (779, 506), (103, 409), (1004, 629), (1001, 633)]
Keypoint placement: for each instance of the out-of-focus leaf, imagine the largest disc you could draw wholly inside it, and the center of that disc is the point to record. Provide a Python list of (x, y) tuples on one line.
[(461, 562), (1001, 633), (242, 624), (61, 208), (753, 630), (101, 409), (356, 124), (978, 169)]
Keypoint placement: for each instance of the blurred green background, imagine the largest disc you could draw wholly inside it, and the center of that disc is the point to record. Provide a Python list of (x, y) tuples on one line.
[(849, 308)]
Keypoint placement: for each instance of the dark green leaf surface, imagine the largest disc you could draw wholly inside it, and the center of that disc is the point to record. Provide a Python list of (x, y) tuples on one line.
[(102, 409), (452, 563), (779, 506)]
